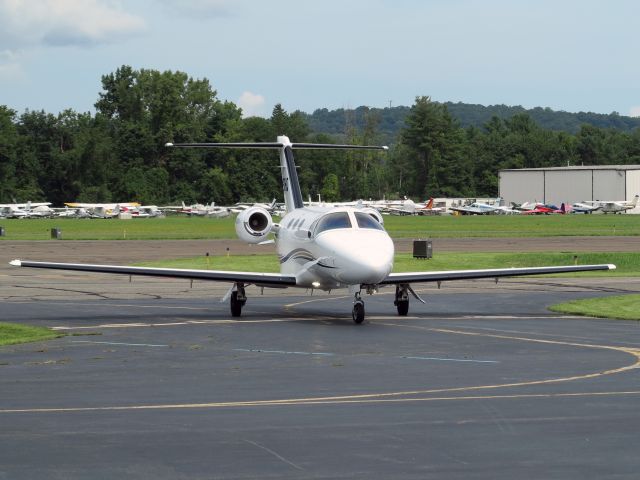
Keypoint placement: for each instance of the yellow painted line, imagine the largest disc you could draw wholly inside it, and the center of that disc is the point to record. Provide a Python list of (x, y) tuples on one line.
[(187, 322), (338, 401), (320, 299)]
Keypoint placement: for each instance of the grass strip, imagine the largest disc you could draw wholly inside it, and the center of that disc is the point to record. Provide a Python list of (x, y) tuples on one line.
[(13, 333), (624, 307)]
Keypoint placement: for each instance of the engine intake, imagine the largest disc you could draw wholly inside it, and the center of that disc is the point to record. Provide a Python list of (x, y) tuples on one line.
[(253, 225)]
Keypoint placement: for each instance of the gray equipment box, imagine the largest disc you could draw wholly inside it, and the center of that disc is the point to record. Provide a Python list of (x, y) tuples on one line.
[(422, 249)]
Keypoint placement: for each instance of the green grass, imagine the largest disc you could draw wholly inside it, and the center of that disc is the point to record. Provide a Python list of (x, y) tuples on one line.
[(628, 263), (398, 227), (12, 333), (625, 307)]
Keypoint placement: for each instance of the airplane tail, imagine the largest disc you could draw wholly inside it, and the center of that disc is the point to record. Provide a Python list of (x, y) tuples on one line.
[(290, 182), (563, 208), (430, 203), (634, 202)]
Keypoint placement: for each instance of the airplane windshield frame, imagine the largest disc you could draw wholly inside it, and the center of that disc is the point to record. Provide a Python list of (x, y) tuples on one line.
[(367, 221), (333, 221)]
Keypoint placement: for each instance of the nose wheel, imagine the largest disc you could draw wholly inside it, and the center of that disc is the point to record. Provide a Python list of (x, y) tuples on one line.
[(358, 309), (402, 300)]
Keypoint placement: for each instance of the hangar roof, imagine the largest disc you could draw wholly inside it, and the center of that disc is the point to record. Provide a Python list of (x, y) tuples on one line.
[(577, 167)]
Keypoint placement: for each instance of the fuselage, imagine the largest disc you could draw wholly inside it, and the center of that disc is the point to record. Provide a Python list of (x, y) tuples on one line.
[(329, 248)]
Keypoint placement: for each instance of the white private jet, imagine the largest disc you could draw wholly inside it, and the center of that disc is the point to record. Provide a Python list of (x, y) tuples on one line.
[(319, 247)]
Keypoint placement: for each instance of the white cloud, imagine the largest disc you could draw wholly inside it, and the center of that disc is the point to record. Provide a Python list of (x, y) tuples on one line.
[(634, 111), (200, 8), (252, 104), (25, 23)]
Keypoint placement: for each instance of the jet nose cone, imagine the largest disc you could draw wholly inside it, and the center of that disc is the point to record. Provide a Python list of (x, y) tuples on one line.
[(365, 259)]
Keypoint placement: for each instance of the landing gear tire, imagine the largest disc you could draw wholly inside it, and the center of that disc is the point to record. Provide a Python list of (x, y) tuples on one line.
[(403, 307), (236, 305), (358, 312)]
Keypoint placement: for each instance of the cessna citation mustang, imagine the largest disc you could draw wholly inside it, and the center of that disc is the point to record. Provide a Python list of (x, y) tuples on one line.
[(319, 247)]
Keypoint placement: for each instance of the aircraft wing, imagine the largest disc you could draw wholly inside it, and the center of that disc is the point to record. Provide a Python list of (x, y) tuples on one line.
[(419, 277), (256, 278)]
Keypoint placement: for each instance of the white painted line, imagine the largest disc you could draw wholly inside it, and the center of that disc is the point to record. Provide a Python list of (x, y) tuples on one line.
[(451, 359), (120, 343), (283, 352), (327, 354)]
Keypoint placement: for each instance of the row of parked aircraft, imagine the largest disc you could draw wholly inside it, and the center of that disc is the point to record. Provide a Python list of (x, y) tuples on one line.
[(537, 208), (385, 207)]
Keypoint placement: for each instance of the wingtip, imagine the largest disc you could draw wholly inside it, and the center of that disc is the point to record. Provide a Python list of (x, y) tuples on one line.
[(611, 266), (15, 263), (168, 144)]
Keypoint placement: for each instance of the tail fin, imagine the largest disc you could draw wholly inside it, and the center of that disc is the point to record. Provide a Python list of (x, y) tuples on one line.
[(634, 202), (430, 203), (563, 209)]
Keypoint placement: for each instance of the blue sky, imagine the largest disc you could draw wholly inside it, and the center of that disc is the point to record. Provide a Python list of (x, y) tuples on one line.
[(564, 54)]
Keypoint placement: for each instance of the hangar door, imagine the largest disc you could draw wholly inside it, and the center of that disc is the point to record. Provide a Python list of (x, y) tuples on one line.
[(568, 186), (609, 185), (521, 186)]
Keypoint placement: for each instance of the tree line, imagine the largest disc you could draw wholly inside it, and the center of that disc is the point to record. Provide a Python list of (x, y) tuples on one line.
[(118, 153)]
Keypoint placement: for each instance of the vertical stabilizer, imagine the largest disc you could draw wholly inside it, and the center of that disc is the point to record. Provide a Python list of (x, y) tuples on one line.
[(290, 183)]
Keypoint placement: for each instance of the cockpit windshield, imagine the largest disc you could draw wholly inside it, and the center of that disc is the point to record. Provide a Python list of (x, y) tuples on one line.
[(333, 221), (367, 221)]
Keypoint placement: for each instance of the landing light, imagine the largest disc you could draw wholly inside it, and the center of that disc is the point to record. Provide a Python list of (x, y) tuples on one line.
[(315, 284)]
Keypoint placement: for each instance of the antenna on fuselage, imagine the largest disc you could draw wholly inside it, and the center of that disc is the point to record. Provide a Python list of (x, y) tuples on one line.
[(290, 183)]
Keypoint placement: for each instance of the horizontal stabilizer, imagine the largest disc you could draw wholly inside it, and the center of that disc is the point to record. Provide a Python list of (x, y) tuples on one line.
[(272, 145)]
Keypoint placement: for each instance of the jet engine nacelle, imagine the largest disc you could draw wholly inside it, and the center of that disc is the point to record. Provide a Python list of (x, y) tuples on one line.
[(374, 213), (253, 225)]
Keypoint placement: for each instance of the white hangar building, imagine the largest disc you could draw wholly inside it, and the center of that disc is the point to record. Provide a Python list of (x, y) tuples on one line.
[(570, 184)]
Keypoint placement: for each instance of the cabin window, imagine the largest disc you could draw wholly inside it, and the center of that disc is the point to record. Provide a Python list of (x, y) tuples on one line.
[(367, 221), (333, 221)]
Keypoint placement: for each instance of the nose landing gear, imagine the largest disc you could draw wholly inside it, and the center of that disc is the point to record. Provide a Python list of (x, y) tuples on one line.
[(358, 309), (402, 299)]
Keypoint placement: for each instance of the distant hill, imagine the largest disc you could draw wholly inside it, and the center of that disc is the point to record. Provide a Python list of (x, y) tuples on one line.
[(391, 120)]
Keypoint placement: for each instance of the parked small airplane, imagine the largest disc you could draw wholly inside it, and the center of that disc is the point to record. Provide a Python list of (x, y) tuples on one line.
[(479, 208), (319, 247), (401, 207), (581, 207), (615, 206), (429, 209)]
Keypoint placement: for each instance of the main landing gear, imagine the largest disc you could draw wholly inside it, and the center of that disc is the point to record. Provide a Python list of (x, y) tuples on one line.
[(358, 308), (238, 299), (402, 299)]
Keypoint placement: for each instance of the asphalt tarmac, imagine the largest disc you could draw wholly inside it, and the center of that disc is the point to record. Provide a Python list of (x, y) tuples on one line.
[(154, 379)]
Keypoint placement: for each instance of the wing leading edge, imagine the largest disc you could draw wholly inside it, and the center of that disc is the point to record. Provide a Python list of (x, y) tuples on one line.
[(414, 277), (261, 279)]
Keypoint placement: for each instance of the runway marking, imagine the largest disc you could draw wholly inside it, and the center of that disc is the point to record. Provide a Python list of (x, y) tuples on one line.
[(327, 401), (283, 352), (120, 343), (279, 457), (186, 322), (329, 354), (451, 359), (320, 299)]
